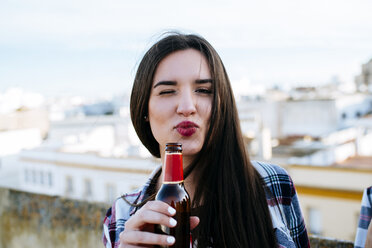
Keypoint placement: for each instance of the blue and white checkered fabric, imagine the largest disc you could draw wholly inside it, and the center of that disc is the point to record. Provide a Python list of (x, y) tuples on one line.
[(364, 219)]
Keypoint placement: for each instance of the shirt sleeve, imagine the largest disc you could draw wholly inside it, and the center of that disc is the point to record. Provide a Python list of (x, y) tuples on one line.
[(284, 204), (364, 218), (295, 219), (115, 219), (110, 236)]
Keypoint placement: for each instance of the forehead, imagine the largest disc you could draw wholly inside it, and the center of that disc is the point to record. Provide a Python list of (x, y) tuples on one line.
[(184, 63)]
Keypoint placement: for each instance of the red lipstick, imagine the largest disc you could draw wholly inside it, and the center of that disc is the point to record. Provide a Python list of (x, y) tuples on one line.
[(186, 128)]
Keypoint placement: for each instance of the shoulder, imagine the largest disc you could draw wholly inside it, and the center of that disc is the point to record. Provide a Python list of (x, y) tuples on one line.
[(368, 192), (277, 182), (367, 197), (123, 205), (274, 176), (267, 169)]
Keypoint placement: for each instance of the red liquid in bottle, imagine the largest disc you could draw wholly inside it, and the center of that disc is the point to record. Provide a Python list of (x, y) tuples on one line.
[(174, 193)]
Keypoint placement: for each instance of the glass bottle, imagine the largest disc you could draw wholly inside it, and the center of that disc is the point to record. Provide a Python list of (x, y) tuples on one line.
[(174, 193)]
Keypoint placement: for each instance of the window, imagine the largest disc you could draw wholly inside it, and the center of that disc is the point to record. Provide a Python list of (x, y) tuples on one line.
[(27, 176), (41, 177), (69, 185), (87, 187), (34, 176), (50, 179), (315, 221)]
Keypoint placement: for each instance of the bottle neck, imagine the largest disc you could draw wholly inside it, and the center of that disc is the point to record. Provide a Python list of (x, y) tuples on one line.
[(173, 168)]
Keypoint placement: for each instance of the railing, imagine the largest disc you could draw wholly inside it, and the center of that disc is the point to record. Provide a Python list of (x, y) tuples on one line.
[(33, 220)]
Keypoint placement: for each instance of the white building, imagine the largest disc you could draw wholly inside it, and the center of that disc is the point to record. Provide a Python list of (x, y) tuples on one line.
[(364, 80), (76, 176), (314, 117), (311, 129), (330, 196), (108, 136)]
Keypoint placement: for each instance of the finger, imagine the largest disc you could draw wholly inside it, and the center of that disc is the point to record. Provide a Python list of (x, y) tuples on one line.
[(194, 222), (124, 244), (145, 216), (128, 246), (134, 246), (146, 238), (161, 207)]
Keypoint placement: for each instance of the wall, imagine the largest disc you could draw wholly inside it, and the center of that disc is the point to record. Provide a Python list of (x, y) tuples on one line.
[(310, 117), (335, 193), (32, 220), (338, 217)]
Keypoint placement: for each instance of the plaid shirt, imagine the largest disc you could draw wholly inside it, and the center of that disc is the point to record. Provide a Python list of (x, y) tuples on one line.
[(364, 218), (282, 201)]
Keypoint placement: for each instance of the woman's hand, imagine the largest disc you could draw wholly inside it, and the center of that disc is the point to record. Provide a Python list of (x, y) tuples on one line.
[(139, 229)]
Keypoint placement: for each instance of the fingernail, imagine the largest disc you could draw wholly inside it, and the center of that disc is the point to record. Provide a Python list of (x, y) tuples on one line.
[(170, 240), (172, 222), (171, 210)]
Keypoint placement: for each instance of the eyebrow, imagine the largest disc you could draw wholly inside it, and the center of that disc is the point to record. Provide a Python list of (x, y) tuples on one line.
[(204, 81), (199, 81), (164, 83)]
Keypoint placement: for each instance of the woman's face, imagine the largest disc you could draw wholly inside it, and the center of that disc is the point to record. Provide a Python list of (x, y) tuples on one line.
[(180, 101)]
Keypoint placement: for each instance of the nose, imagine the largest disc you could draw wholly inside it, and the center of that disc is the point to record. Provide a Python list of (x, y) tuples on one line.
[(186, 104)]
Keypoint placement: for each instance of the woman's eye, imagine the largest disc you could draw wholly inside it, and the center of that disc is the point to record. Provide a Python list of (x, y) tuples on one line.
[(204, 91), (164, 92)]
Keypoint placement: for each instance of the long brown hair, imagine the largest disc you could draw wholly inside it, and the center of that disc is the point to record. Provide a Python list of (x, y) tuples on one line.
[(230, 193)]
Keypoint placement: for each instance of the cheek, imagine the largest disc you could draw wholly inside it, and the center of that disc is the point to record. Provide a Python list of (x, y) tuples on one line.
[(156, 130), (158, 118), (206, 109), (153, 110), (158, 114)]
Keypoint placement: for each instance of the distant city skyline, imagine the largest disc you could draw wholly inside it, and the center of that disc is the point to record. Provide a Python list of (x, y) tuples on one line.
[(92, 48)]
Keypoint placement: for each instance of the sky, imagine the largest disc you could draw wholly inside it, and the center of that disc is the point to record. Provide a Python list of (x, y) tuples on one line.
[(92, 47)]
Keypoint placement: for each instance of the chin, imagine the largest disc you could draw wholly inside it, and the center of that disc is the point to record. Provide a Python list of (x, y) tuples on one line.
[(190, 151)]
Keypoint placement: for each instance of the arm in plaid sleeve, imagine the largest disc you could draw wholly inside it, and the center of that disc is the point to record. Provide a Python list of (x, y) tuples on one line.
[(116, 217), (107, 233), (295, 219), (283, 197), (364, 218)]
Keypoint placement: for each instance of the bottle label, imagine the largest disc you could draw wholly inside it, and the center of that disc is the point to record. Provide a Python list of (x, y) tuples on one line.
[(173, 168)]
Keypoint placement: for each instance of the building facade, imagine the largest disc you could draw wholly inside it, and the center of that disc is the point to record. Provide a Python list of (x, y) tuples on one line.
[(77, 176), (330, 196)]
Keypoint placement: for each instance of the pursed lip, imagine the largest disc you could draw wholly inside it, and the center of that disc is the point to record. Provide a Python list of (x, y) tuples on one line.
[(186, 128)]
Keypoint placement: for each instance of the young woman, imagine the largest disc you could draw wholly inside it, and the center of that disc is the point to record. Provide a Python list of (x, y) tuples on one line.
[(182, 93)]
